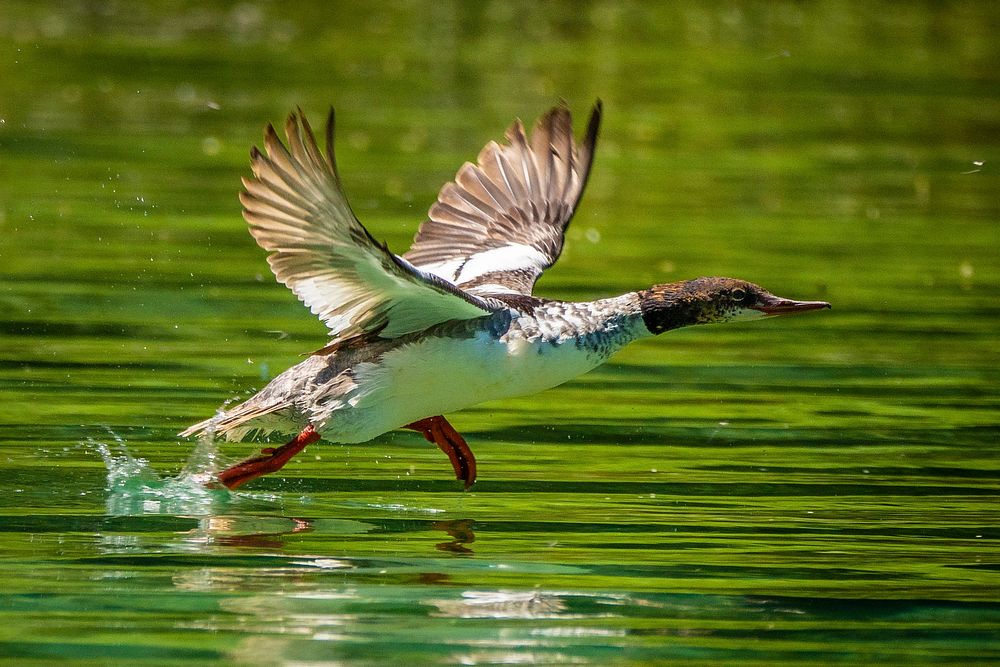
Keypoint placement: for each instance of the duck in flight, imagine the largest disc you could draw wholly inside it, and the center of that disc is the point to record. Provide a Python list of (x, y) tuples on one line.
[(453, 321)]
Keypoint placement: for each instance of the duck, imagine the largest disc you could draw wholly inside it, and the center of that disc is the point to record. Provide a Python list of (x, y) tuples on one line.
[(453, 321)]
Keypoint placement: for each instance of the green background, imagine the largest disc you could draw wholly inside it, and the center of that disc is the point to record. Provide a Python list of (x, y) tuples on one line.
[(811, 490)]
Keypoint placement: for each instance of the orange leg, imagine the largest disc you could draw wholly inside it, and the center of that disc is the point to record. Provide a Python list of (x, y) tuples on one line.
[(270, 460), (441, 433)]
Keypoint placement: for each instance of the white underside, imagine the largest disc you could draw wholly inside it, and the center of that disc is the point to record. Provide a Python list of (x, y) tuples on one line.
[(441, 375)]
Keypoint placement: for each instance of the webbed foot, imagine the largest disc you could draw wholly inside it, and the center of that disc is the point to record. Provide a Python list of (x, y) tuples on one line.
[(441, 433), (269, 460)]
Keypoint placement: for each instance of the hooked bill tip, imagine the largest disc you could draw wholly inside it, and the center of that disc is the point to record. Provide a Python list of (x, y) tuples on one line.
[(788, 307)]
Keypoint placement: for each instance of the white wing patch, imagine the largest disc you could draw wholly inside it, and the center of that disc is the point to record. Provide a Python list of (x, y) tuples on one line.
[(500, 223), (508, 258)]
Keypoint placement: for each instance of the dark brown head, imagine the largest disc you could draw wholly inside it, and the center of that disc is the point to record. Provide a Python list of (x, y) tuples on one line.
[(709, 300)]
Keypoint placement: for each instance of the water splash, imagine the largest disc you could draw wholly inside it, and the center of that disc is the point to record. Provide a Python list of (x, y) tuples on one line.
[(135, 487)]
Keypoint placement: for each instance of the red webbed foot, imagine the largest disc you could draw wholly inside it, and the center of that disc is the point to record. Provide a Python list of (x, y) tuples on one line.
[(441, 433), (269, 460)]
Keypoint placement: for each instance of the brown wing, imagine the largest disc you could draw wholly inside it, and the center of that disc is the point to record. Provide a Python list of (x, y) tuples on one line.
[(297, 210), (501, 222)]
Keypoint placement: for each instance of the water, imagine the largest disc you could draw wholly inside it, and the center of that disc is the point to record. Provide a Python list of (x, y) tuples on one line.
[(811, 490)]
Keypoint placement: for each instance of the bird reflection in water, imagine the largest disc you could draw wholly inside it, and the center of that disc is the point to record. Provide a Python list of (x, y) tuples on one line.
[(231, 532), (460, 530), (221, 531), (503, 604)]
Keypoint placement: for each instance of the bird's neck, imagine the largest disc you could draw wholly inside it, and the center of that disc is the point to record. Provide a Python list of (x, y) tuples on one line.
[(609, 324), (670, 306), (625, 318)]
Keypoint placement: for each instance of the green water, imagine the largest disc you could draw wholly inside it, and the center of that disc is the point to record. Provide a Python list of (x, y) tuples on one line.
[(816, 490)]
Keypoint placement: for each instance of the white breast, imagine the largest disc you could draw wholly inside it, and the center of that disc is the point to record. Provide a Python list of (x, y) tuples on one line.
[(441, 375)]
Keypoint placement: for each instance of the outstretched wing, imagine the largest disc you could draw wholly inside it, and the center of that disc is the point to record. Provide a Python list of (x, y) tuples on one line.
[(500, 223), (297, 210)]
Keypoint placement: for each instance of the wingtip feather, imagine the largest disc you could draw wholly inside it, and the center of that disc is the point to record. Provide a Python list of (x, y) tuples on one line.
[(331, 122), (594, 125)]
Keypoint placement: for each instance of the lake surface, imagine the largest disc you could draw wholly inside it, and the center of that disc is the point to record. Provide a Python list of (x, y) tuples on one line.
[(817, 490)]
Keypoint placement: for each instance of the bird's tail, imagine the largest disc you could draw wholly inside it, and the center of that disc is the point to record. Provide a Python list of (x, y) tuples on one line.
[(234, 423)]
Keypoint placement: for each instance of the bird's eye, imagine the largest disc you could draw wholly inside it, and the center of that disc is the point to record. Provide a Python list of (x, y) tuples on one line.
[(738, 294)]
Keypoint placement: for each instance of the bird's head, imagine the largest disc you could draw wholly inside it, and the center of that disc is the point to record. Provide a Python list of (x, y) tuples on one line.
[(709, 300)]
